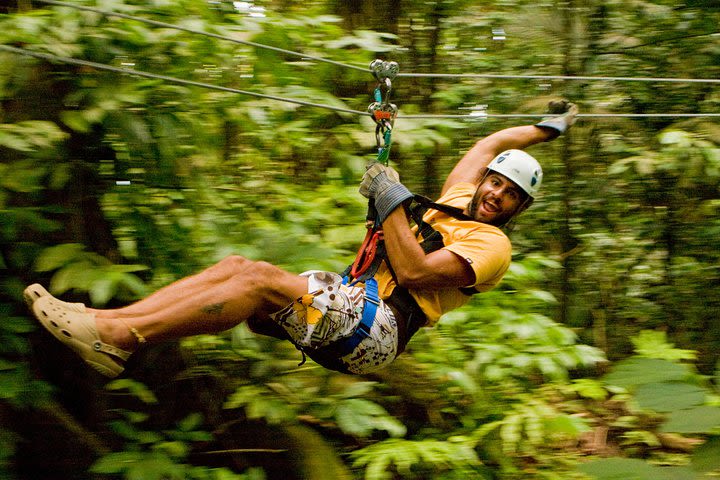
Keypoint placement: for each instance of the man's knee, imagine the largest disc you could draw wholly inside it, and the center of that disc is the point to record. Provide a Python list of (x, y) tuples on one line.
[(233, 264), (267, 283), (251, 274), (263, 274)]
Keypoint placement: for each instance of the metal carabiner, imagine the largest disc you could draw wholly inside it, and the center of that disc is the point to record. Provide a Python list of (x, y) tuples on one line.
[(383, 111)]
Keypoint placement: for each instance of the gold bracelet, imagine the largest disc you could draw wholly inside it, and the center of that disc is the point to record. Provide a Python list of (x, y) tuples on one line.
[(138, 336)]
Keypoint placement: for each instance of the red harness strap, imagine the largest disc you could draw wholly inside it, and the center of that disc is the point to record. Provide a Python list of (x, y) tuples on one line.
[(367, 252)]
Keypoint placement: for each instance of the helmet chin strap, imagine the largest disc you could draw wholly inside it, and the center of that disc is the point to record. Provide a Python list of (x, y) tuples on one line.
[(475, 198)]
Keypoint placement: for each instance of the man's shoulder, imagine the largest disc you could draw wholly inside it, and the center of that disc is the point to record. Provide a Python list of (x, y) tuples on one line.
[(458, 195), (460, 189)]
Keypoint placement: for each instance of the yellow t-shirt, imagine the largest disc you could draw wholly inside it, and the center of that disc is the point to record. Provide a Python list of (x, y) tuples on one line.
[(485, 247)]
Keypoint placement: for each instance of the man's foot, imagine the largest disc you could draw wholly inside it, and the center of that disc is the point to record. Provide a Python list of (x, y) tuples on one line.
[(37, 291), (78, 331)]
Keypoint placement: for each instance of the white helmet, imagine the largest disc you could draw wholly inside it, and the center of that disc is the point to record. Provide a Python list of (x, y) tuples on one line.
[(521, 168)]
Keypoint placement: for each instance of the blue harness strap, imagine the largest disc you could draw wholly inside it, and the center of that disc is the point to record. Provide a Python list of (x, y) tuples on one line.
[(372, 301)]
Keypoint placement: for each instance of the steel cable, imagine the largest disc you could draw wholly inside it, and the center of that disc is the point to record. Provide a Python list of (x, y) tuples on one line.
[(476, 115), (365, 69)]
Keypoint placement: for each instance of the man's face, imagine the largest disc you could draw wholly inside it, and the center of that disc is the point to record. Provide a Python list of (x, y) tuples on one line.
[(496, 200)]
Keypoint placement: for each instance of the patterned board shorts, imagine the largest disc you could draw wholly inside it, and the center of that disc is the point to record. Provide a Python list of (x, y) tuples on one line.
[(330, 311)]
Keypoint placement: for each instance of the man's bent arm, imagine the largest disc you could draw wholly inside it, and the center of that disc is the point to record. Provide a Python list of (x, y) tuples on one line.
[(472, 166), (415, 269)]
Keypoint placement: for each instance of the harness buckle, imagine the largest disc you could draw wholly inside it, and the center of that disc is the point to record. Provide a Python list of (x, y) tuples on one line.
[(372, 300)]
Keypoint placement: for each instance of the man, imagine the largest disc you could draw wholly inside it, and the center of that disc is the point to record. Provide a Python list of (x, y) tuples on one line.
[(341, 326)]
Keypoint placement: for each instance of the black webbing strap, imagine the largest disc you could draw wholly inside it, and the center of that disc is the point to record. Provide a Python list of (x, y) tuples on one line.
[(454, 212), (432, 239)]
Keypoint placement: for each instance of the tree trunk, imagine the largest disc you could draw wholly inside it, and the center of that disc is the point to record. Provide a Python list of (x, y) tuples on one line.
[(378, 15)]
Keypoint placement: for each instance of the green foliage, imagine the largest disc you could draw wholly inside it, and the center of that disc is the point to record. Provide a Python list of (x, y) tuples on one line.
[(360, 417), (257, 405), (529, 424), (411, 458), (501, 334), (149, 454), (642, 371), (628, 468), (162, 465), (279, 403), (134, 388), (27, 137), (661, 386), (707, 456), (88, 272), (653, 344)]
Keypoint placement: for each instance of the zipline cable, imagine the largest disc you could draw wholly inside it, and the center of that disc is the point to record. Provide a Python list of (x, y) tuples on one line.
[(140, 73), (365, 69), (560, 77), (471, 116), (480, 116), (198, 32)]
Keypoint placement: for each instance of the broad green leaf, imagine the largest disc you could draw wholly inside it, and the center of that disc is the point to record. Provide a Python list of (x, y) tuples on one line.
[(639, 371), (174, 449), (694, 420), (358, 389), (568, 425), (706, 457), (652, 344), (102, 290), (133, 387), (115, 463), (76, 120), (55, 257), (78, 275), (191, 422), (589, 388), (361, 417), (621, 469), (155, 467), (668, 397), (676, 137)]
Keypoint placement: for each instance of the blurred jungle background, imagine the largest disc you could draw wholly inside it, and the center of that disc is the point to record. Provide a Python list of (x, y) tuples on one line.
[(597, 358)]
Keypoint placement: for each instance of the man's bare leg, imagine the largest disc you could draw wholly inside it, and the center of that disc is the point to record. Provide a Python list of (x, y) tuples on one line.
[(256, 290), (186, 287)]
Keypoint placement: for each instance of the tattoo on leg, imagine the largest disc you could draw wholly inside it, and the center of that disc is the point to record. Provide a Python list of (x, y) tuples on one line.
[(214, 309)]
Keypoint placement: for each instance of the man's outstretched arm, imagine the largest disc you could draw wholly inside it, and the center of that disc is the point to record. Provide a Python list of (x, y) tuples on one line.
[(472, 166)]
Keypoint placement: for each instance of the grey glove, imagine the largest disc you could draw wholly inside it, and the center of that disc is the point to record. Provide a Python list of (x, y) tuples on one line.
[(567, 112), (382, 184)]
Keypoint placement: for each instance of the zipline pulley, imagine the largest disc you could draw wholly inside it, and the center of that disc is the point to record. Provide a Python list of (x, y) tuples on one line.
[(382, 111)]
